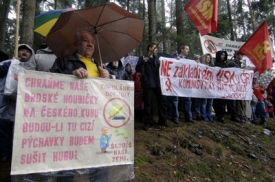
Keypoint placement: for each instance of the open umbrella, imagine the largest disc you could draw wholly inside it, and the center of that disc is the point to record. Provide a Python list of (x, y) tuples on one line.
[(45, 21), (117, 31), (263, 79)]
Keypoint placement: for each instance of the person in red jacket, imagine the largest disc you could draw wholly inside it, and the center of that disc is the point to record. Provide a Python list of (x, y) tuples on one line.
[(259, 108), (139, 104)]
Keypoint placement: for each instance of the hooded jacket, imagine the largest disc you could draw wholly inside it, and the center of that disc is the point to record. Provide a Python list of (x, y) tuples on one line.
[(7, 104), (119, 71), (219, 62)]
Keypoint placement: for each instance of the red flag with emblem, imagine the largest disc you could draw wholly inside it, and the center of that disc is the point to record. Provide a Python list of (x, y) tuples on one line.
[(204, 14), (258, 48)]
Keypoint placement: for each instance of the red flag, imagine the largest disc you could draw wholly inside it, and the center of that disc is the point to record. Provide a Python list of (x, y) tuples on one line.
[(204, 14), (258, 48)]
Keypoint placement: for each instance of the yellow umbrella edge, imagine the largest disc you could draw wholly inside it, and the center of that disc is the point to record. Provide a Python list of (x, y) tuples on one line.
[(46, 27)]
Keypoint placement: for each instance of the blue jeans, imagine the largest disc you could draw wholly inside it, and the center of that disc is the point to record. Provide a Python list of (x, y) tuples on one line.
[(187, 107), (172, 107), (259, 110), (200, 107), (208, 109), (204, 108)]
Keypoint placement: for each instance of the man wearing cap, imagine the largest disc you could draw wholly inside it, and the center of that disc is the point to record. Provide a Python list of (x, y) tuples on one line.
[(7, 103)]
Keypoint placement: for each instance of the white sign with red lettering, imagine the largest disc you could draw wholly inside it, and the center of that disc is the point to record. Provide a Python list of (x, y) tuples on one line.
[(63, 122), (187, 78), (212, 44)]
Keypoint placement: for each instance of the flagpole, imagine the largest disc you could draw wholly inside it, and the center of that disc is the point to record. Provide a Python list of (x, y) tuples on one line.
[(167, 31), (17, 29)]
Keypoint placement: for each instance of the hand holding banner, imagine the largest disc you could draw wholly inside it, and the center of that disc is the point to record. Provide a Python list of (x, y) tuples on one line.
[(59, 122), (187, 78)]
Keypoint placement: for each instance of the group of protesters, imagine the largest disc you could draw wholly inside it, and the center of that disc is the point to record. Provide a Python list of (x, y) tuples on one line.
[(198, 109), (147, 84)]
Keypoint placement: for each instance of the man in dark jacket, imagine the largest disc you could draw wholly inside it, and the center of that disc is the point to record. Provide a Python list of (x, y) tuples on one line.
[(240, 104), (220, 104), (81, 63), (148, 66)]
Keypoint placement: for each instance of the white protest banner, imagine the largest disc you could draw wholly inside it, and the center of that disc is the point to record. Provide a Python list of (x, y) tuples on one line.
[(63, 122), (212, 44), (187, 78)]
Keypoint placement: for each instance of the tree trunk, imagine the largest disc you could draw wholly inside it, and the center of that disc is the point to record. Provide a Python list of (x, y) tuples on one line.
[(163, 22), (4, 6), (89, 3), (179, 24), (27, 24), (128, 5), (144, 41), (152, 21), (232, 37), (242, 17), (251, 12), (55, 4)]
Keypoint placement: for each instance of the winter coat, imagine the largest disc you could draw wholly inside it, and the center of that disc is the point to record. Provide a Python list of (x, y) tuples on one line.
[(8, 104), (129, 73), (219, 62), (139, 104), (67, 64), (119, 71), (149, 72)]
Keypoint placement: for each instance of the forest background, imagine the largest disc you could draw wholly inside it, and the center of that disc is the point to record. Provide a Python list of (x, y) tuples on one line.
[(237, 20), (187, 152)]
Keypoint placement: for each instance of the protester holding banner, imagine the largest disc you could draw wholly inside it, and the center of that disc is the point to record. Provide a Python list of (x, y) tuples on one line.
[(184, 51), (148, 65), (204, 105), (82, 65), (8, 104), (220, 104), (240, 104)]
